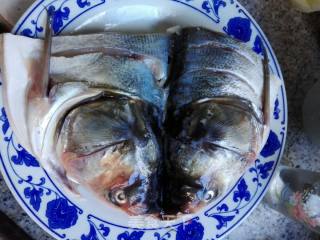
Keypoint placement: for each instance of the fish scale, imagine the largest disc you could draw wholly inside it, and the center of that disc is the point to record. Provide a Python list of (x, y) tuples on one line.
[(145, 44), (151, 45), (196, 58), (192, 37), (119, 73), (202, 84)]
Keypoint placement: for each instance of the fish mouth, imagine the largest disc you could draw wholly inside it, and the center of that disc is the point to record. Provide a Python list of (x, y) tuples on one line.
[(136, 197), (184, 194), (179, 198), (189, 201), (139, 209)]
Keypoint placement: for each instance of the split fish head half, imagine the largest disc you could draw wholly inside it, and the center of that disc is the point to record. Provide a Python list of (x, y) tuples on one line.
[(212, 145), (217, 119), (110, 145)]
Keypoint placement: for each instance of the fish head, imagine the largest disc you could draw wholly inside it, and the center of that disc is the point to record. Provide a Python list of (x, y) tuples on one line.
[(109, 146), (211, 147), (202, 176), (135, 190), (136, 195)]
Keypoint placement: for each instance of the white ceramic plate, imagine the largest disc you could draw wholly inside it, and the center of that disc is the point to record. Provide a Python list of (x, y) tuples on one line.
[(68, 217)]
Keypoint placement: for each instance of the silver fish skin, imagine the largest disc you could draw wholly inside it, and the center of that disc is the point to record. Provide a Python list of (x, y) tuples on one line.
[(102, 118), (215, 122), (226, 61), (200, 85), (199, 37), (108, 142), (115, 156), (154, 47), (127, 75)]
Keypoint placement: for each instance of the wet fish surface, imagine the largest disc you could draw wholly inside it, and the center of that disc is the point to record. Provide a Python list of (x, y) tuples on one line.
[(155, 124), (110, 142), (118, 73), (215, 122), (153, 48), (96, 121)]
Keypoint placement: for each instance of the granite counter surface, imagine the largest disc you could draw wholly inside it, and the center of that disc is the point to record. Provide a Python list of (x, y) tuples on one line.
[(295, 38)]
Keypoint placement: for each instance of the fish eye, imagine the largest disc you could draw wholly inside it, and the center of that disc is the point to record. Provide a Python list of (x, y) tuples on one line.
[(209, 195), (119, 197)]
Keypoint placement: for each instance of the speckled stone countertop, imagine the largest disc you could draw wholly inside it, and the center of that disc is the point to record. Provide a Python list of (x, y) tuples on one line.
[(295, 39)]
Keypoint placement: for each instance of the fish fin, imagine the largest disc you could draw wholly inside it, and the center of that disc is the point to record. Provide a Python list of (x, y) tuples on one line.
[(18, 52), (266, 98), (272, 84), (266, 90), (40, 83), (47, 53), (38, 89)]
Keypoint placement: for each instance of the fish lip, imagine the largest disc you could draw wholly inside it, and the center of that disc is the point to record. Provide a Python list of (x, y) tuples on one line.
[(193, 204), (189, 199), (140, 199), (140, 208), (190, 207), (178, 197)]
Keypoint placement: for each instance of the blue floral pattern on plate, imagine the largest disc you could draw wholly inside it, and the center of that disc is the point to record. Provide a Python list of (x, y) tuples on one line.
[(93, 234), (277, 111), (272, 145), (62, 15), (209, 7), (239, 28), (258, 45), (190, 231), (42, 198), (61, 215)]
